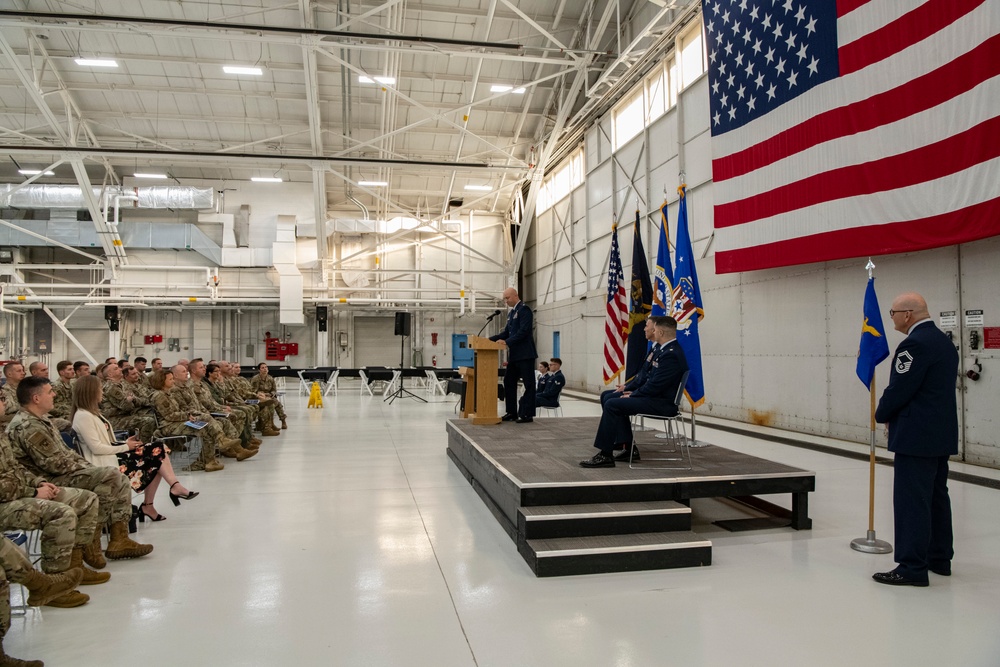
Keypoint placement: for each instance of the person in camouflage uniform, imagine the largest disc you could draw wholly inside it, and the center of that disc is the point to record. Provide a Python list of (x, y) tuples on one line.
[(121, 407), (43, 588), (142, 393), (39, 447), (13, 373), (172, 417), (263, 385), (203, 393), (226, 392), (64, 390), (66, 516), (240, 393), (81, 368), (185, 396), (139, 364)]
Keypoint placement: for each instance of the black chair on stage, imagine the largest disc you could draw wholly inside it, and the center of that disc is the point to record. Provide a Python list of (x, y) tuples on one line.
[(671, 441)]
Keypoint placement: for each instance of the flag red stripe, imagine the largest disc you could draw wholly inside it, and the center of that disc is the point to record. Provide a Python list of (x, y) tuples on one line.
[(962, 226), (927, 163), (848, 6), (907, 30), (925, 92)]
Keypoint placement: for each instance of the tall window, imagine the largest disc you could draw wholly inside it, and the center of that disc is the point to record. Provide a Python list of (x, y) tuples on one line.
[(628, 119), (692, 55), (563, 179)]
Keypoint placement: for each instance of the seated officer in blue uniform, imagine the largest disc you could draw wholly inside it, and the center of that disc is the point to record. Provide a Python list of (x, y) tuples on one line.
[(542, 376), (548, 393), (518, 338), (921, 411), (651, 394)]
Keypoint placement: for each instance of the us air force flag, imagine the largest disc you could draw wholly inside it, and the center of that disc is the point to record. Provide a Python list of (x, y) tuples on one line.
[(874, 348), (663, 274), (688, 310)]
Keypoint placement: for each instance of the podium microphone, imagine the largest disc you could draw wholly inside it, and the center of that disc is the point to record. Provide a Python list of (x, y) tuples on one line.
[(488, 320)]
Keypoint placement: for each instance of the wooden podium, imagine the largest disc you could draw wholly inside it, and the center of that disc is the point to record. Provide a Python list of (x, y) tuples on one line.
[(481, 382)]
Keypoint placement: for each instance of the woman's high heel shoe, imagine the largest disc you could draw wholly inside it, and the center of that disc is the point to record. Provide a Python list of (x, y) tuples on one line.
[(143, 516), (176, 500)]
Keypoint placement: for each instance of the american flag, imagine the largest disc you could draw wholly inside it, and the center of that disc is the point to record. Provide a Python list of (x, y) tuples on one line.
[(851, 128), (617, 314)]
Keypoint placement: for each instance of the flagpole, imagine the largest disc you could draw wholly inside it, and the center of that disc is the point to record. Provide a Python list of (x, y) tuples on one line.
[(869, 544)]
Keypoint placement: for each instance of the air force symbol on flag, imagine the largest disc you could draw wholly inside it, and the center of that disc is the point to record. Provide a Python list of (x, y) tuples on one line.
[(903, 361)]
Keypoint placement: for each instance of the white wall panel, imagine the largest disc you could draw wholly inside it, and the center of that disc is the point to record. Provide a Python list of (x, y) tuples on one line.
[(663, 139), (694, 106), (698, 159), (599, 220), (599, 184)]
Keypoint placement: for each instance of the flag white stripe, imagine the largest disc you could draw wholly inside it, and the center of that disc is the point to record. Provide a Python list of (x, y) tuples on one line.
[(959, 190), (871, 17), (927, 127), (944, 46)]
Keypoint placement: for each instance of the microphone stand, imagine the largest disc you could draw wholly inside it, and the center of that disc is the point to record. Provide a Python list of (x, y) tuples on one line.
[(488, 320)]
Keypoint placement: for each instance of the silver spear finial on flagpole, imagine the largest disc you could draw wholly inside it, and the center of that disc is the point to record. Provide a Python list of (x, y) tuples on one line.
[(870, 266)]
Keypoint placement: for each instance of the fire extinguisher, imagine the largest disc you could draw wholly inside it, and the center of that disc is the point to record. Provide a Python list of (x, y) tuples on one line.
[(434, 361)]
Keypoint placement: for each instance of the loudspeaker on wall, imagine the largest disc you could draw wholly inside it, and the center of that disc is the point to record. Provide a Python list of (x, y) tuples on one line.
[(402, 324)]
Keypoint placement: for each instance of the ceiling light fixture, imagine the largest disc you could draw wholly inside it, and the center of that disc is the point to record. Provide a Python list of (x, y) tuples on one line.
[(479, 188), (237, 69), (96, 62), (497, 88), (265, 179), (149, 175), (373, 184), (384, 80), (33, 172)]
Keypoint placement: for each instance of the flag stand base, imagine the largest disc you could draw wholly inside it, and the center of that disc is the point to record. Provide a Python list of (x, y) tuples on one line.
[(870, 545)]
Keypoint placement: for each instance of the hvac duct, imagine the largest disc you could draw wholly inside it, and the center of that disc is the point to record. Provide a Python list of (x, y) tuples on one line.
[(71, 196)]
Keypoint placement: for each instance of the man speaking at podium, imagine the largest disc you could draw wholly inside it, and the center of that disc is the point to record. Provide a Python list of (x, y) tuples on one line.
[(517, 338)]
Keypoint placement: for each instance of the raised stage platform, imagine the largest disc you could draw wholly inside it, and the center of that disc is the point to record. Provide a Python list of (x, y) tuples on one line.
[(566, 519)]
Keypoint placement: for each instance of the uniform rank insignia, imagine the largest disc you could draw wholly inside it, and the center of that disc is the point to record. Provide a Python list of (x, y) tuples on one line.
[(903, 361)]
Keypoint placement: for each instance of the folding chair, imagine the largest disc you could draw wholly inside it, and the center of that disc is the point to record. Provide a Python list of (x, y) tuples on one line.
[(434, 385), (673, 435), (365, 383)]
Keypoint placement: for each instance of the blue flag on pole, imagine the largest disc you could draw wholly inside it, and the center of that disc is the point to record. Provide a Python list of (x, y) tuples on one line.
[(873, 348), (687, 308), (641, 304), (663, 274)]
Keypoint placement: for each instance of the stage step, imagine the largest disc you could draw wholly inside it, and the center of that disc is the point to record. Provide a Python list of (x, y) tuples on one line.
[(548, 521), (564, 556)]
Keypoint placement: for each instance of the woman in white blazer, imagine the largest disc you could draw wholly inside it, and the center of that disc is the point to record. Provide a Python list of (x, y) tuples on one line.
[(144, 464)]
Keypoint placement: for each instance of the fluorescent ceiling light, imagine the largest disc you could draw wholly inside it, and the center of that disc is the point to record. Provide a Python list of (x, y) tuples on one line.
[(373, 184), (479, 188), (32, 172), (497, 88), (235, 69), (149, 175), (265, 179), (96, 62), (385, 80)]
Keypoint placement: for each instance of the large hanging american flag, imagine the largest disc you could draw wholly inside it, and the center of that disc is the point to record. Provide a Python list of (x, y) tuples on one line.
[(617, 314), (851, 128)]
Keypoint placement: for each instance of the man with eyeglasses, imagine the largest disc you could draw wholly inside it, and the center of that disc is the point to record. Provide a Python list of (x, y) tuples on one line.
[(921, 412)]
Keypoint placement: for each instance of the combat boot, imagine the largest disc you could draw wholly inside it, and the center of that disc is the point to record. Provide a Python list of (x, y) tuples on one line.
[(121, 547), (244, 454), (90, 578), (68, 601), (92, 555), (45, 587), (213, 466), (269, 430), (7, 661), (284, 424)]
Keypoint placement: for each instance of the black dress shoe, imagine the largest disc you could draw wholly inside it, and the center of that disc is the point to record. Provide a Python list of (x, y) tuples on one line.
[(623, 455), (896, 579), (600, 460), (525, 420), (509, 418)]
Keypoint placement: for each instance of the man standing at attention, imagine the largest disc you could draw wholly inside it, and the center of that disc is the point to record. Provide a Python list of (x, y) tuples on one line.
[(921, 411), (518, 338)]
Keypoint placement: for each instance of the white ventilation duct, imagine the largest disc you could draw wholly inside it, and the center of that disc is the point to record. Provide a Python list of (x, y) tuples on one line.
[(71, 196)]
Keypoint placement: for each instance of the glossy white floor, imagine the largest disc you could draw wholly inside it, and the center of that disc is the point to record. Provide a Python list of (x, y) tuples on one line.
[(352, 540)]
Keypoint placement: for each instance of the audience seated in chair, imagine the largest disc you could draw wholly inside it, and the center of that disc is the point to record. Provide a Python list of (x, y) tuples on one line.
[(550, 387), (144, 464)]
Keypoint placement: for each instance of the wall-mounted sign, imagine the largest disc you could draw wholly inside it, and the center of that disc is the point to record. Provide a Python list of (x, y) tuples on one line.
[(949, 319), (973, 318), (991, 338)]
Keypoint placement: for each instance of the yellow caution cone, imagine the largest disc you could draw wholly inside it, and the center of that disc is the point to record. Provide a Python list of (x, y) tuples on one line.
[(315, 396)]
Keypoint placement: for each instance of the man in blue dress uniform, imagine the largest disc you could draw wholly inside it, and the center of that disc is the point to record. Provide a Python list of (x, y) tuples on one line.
[(921, 411), (518, 338), (652, 392)]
